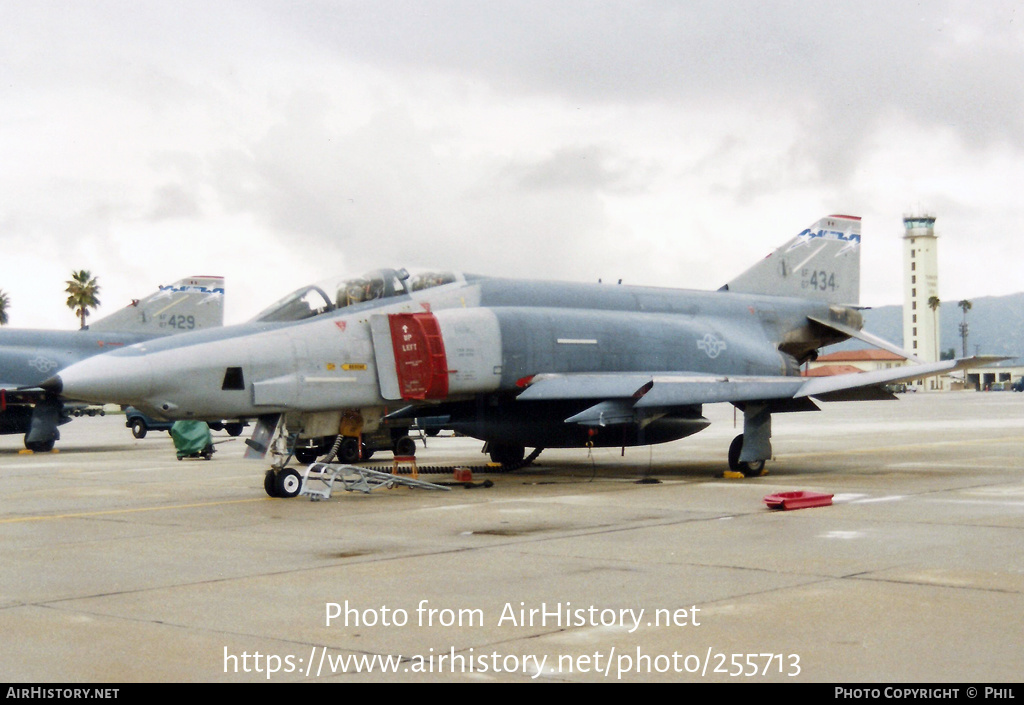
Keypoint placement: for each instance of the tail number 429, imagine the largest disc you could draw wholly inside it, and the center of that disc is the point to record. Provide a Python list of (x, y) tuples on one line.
[(180, 322)]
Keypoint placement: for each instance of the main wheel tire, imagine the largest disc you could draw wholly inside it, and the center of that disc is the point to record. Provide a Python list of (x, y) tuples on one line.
[(753, 469), (348, 453), (307, 456), (40, 446), (405, 446), (509, 455)]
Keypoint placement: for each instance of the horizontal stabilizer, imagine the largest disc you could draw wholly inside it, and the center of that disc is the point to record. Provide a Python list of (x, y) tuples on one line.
[(866, 337), (822, 386)]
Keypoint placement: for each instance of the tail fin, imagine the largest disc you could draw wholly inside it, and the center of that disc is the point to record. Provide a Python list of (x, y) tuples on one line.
[(822, 263), (188, 304)]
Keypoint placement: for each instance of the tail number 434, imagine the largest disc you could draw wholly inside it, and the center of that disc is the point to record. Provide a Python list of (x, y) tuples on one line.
[(819, 279)]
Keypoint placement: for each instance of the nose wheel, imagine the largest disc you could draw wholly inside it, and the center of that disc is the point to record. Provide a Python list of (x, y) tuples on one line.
[(284, 483)]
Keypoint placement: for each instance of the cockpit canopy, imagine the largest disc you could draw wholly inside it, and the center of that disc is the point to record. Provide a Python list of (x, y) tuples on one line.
[(338, 293)]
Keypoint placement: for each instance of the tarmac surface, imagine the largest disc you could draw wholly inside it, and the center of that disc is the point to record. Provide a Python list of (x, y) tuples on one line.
[(119, 563)]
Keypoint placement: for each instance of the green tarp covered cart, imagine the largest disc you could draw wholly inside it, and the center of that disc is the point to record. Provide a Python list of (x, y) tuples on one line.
[(192, 439)]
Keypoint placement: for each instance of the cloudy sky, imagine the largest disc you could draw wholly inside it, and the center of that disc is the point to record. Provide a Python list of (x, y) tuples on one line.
[(663, 142)]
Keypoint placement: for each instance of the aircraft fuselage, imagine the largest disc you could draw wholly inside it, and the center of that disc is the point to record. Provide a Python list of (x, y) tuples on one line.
[(475, 342), (27, 357), (30, 357)]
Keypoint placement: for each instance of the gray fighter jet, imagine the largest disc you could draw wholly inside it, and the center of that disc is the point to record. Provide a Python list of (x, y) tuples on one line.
[(27, 357), (517, 364)]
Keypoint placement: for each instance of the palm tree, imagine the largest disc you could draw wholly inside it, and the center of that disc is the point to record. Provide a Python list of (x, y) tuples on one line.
[(933, 304), (965, 306), (5, 302), (83, 291)]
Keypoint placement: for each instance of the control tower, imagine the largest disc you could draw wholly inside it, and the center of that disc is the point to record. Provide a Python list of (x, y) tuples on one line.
[(921, 287)]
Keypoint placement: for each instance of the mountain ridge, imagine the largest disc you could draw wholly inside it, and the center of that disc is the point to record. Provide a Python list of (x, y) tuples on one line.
[(995, 326)]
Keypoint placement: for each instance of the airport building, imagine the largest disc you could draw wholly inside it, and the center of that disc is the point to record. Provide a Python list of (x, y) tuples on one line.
[(842, 362), (921, 287), (921, 293)]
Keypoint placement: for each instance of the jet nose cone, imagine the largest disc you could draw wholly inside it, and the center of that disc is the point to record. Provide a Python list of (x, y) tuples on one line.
[(105, 379)]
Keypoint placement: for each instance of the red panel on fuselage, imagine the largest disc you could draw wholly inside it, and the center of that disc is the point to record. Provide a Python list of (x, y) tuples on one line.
[(420, 359)]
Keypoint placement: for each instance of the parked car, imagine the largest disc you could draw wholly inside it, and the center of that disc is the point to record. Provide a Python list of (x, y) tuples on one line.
[(1018, 386), (140, 424)]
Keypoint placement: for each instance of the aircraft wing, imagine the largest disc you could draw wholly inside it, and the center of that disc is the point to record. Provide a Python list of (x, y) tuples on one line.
[(661, 389), (675, 389)]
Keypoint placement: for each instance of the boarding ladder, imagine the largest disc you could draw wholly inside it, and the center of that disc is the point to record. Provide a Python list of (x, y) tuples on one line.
[(353, 479)]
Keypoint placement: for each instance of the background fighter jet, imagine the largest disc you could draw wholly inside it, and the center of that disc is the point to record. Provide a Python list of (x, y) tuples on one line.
[(27, 357), (518, 364)]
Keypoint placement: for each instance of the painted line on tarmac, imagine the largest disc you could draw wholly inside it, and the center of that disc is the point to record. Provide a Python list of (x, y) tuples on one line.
[(112, 512), (907, 446), (983, 502)]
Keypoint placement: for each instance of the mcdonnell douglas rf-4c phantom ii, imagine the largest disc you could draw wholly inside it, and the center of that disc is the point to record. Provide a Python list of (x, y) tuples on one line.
[(518, 364), (27, 357)]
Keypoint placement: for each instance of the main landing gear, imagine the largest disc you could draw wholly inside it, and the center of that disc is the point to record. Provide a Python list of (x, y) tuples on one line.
[(350, 449), (753, 468), (749, 450), (510, 456)]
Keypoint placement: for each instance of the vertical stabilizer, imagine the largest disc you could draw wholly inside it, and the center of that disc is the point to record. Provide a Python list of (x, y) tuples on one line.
[(821, 263), (188, 304)]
